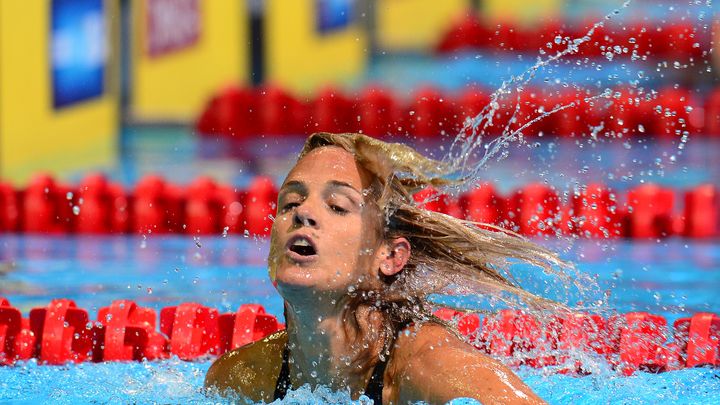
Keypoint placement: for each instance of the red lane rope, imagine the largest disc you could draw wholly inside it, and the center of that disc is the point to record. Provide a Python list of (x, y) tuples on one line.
[(204, 207), (241, 112), (639, 39), (61, 332)]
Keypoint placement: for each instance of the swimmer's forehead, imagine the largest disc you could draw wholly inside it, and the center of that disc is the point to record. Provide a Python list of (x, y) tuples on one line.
[(328, 166)]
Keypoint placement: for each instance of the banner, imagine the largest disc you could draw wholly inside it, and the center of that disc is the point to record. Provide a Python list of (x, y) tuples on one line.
[(78, 46), (172, 25), (333, 15)]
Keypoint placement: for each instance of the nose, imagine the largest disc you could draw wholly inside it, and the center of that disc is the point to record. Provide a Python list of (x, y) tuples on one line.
[(303, 217)]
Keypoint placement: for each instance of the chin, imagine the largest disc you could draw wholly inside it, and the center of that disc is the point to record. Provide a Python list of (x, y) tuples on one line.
[(298, 283)]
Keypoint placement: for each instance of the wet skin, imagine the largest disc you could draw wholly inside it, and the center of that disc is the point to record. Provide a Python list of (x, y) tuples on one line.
[(325, 242)]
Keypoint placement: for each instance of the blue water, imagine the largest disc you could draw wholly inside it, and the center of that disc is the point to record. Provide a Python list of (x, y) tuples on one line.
[(672, 278)]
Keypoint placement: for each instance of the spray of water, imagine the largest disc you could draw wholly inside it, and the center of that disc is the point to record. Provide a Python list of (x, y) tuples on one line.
[(470, 152)]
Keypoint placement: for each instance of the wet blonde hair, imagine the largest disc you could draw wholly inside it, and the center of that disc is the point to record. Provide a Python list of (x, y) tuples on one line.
[(448, 255)]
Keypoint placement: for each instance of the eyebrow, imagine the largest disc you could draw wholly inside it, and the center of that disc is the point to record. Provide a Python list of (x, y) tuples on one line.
[(301, 188), (337, 183), (293, 185)]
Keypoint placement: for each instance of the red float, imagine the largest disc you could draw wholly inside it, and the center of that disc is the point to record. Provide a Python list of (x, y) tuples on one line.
[(429, 199), (64, 332), (94, 213), (249, 324), (333, 111), (380, 114), (595, 213), (468, 324), (10, 325), (574, 119), (535, 210), (629, 114), (157, 206), (702, 206), (431, 114), (650, 211), (482, 204), (698, 338), (529, 120), (468, 33), (471, 102), (193, 330), (675, 113), (10, 208), (128, 333), (120, 209), (280, 113), (202, 210), (586, 332), (519, 337), (231, 209), (641, 341), (260, 206), (231, 113), (41, 201)]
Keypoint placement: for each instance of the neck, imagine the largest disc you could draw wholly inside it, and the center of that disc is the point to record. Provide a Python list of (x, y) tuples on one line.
[(322, 350)]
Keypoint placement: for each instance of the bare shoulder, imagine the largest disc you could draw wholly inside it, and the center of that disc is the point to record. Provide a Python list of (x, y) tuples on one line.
[(250, 370), (431, 364)]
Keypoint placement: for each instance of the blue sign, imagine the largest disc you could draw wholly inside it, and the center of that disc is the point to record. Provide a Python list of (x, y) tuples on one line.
[(78, 46), (334, 15)]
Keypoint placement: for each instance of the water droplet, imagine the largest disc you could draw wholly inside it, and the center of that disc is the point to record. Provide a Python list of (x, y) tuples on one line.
[(69, 195), (76, 210)]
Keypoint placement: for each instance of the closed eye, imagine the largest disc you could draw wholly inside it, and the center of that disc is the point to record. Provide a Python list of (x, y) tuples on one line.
[(287, 207), (338, 209)]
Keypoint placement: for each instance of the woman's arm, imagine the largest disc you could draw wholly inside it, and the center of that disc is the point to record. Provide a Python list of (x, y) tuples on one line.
[(435, 366)]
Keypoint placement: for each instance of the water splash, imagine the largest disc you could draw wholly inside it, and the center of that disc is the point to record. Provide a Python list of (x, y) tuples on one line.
[(470, 140)]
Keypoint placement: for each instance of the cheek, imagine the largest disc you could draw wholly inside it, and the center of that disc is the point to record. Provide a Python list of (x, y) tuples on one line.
[(279, 227)]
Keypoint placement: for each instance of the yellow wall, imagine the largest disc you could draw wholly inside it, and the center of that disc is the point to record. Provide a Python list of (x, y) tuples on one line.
[(520, 11), (301, 60), (33, 136), (416, 24), (177, 85)]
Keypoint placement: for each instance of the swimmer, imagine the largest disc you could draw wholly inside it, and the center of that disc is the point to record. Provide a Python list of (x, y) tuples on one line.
[(355, 259)]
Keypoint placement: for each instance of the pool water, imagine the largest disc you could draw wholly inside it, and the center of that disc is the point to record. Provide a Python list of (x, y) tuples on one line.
[(672, 278)]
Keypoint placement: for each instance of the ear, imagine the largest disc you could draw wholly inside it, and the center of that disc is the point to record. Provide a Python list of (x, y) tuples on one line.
[(394, 256)]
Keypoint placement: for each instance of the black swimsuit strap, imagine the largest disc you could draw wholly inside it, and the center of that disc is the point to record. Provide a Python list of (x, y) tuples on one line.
[(373, 390), (376, 383), (283, 382)]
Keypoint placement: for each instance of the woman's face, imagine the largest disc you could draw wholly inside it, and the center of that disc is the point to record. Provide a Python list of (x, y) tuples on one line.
[(325, 236)]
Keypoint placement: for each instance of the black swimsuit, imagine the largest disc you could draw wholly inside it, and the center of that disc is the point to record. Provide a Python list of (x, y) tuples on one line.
[(373, 390)]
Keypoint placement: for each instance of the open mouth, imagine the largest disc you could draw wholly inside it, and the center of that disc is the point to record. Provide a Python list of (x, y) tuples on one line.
[(301, 248)]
